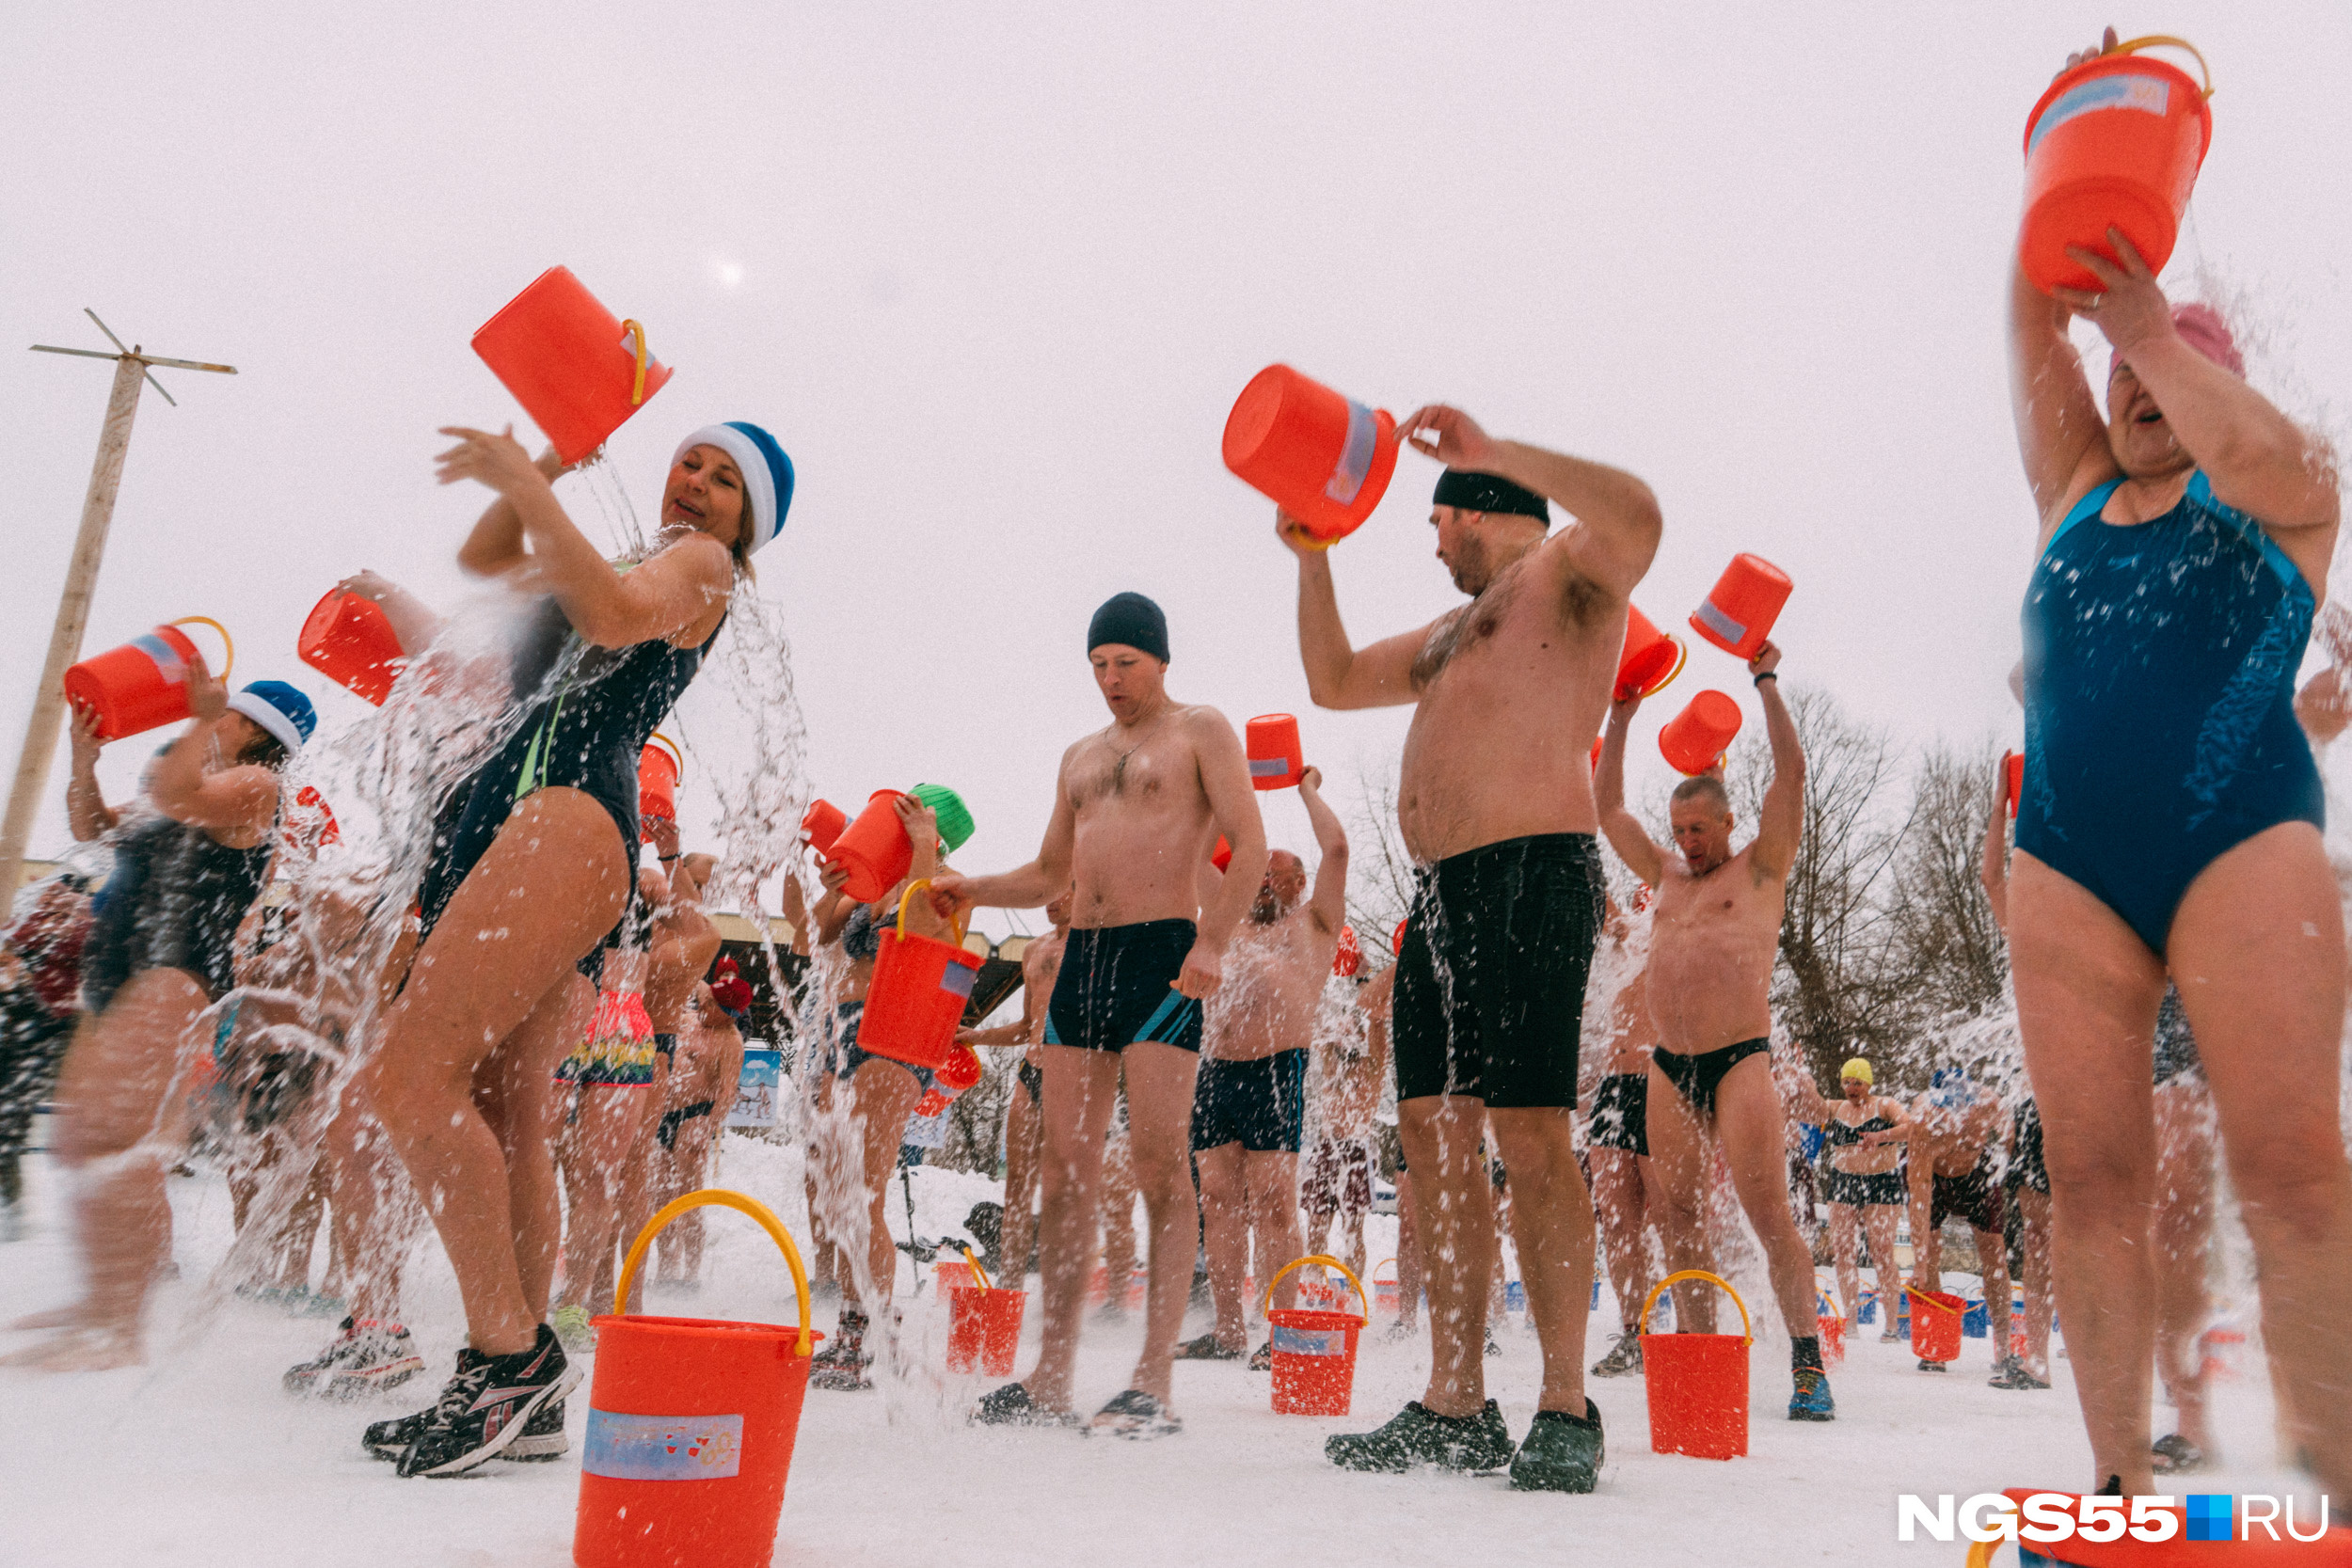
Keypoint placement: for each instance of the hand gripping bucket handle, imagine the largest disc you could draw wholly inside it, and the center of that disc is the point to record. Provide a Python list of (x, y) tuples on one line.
[(913, 888), (1747, 1329), (1363, 1300), (722, 1198), (228, 643)]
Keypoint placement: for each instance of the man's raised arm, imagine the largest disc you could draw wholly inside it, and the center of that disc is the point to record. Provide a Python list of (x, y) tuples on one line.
[(1782, 824), (1622, 828), (1339, 674), (1328, 902)]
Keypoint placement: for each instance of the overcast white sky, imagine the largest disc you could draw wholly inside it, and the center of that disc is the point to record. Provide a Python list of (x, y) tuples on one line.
[(993, 275)]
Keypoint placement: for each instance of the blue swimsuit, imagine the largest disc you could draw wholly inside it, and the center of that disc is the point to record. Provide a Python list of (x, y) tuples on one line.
[(2160, 728)]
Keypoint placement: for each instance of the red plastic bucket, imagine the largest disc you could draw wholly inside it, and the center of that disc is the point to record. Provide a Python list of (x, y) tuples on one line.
[(1738, 614), (983, 1324), (578, 370), (1697, 1383), (1314, 1350), (658, 770), (1348, 956), (144, 683), (1651, 659), (1321, 458), (916, 999), (2013, 775), (1935, 1324), (1384, 1292), (1694, 739), (1276, 760), (348, 639), (1222, 856), (875, 848), (2115, 143), (821, 824), (691, 1425)]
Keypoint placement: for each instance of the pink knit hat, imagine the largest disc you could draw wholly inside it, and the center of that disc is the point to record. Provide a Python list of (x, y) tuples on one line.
[(2201, 327)]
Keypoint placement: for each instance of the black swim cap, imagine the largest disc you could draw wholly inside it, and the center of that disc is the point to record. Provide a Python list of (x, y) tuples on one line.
[(1474, 492), (1131, 619)]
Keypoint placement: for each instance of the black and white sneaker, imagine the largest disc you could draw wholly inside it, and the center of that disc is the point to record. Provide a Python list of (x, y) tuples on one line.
[(1011, 1406), (1624, 1358), (486, 1407), (1138, 1415), (363, 1358), (542, 1439)]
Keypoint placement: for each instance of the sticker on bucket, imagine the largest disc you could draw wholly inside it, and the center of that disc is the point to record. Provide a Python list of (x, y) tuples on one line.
[(1363, 440), (2148, 94), (1717, 622), (959, 980), (1309, 1341), (166, 658), (1269, 768), (663, 1447)]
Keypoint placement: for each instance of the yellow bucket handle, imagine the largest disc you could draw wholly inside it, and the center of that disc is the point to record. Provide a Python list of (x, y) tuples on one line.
[(1682, 657), (227, 641), (676, 756), (2152, 39), (1981, 1552), (971, 1261), (1747, 1329), (1328, 1262), (637, 330), (1382, 1264), (721, 1198), (913, 888), (1922, 1296)]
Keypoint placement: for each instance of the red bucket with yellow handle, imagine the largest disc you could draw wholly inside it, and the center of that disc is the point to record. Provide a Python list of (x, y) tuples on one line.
[(659, 767), (143, 684), (691, 1423), (1694, 739), (1651, 658), (348, 639), (920, 986), (2114, 143), (1935, 1331), (579, 371), (983, 1323), (1697, 1383), (1321, 457), (1315, 1348)]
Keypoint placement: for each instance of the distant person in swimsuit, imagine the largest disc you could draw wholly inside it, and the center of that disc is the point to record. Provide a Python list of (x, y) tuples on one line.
[(1137, 807), (1250, 1107), (532, 868), (2169, 826), (1626, 1194), (1024, 1115), (1955, 1132), (1495, 801), (1864, 1190), (187, 869), (1715, 933)]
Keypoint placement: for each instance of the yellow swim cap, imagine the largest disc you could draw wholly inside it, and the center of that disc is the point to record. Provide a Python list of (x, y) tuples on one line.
[(1855, 1067)]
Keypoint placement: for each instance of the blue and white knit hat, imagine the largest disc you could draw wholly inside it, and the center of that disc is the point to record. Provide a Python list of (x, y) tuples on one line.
[(280, 709), (766, 472)]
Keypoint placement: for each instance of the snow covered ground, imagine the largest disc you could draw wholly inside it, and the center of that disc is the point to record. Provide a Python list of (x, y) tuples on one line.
[(198, 1459)]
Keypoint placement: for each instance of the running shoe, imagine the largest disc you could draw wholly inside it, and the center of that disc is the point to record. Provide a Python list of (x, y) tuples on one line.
[(1011, 1406), (1927, 1366), (2176, 1455), (572, 1327), (1811, 1402), (388, 1440), (1624, 1358), (1136, 1415), (1891, 1336), (542, 1436), (2014, 1374), (1261, 1359), (1494, 1346), (486, 1405), (1207, 1348), (1418, 1435), (359, 1361), (1561, 1453)]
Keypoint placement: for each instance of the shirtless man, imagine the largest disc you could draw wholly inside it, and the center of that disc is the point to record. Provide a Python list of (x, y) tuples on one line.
[(1249, 1108), (1496, 805), (1715, 931), (1350, 1065), (1135, 809), (1954, 1132), (1024, 1117), (1616, 1142)]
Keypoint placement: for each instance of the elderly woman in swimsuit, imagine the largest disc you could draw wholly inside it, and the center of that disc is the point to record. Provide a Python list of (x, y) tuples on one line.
[(2170, 826)]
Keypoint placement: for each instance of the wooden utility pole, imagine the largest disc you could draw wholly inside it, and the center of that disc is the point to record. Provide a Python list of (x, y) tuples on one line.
[(80, 580)]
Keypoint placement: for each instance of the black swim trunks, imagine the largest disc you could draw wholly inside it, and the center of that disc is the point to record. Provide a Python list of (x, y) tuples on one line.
[(1620, 1117), (1876, 1189), (1118, 987), (1973, 1197), (2025, 1169), (665, 1047), (1697, 1078), (1260, 1104), (1490, 989), (1032, 1079)]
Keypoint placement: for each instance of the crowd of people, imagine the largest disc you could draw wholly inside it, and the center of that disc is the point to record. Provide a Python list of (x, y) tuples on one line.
[(544, 1053)]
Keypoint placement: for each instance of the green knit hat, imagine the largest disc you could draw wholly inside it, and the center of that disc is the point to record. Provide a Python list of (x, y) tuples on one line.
[(955, 817)]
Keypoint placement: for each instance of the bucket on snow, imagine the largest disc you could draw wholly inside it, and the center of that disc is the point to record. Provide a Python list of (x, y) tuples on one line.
[(1650, 661), (1935, 1324), (1697, 1383), (1276, 760), (691, 1423), (1384, 1292), (1314, 1349), (658, 769), (875, 848), (983, 1323), (578, 370), (1694, 739), (1325, 460), (143, 684), (917, 995), (2115, 143), (1738, 614), (1830, 1326), (348, 639)]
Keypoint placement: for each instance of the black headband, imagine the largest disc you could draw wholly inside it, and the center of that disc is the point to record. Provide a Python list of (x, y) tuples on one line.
[(1132, 620), (1473, 492)]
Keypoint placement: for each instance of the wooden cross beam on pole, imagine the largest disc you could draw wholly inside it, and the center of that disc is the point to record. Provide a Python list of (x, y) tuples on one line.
[(80, 580)]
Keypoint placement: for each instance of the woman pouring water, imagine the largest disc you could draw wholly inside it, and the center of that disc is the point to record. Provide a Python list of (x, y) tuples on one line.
[(530, 872)]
